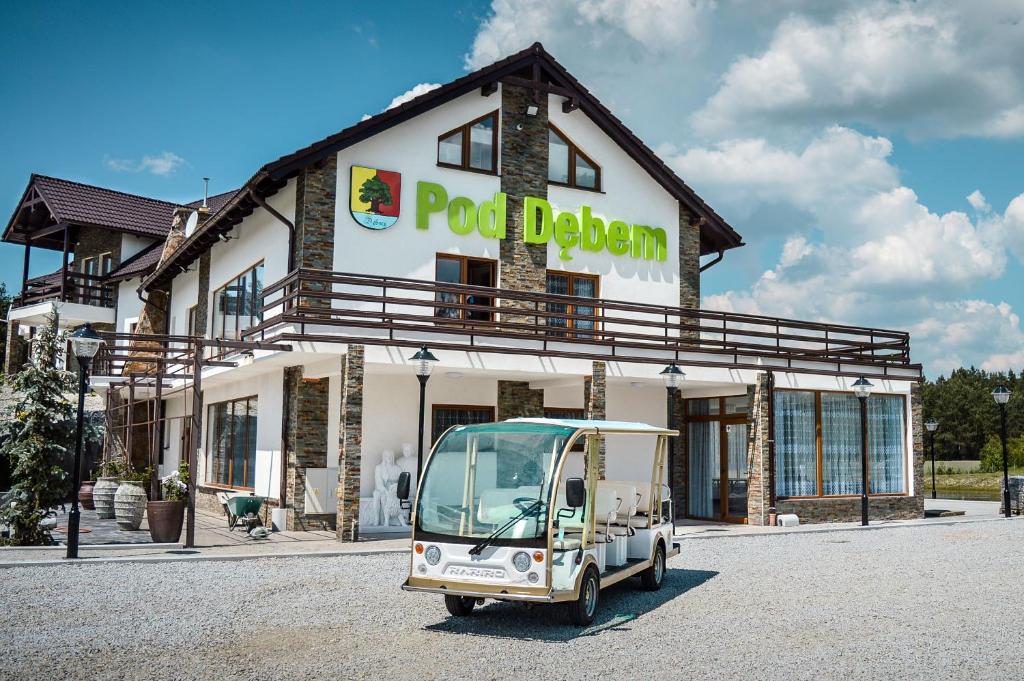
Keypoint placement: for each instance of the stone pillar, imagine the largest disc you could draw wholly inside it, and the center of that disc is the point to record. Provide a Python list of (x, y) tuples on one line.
[(203, 303), (17, 350), (524, 172), (306, 441), (680, 461), (689, 264), (595, 398), (517, 400), (350, 431), (758, 452), (316, 192), (916, 509)]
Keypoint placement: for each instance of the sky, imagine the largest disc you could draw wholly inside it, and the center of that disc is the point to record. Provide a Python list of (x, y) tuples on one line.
[(871, 153)]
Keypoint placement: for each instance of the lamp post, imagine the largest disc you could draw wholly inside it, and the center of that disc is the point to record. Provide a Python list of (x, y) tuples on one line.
[(425, 362), (85, 343), (1001, 395), (673, 377), (931, 425), (862, 389)]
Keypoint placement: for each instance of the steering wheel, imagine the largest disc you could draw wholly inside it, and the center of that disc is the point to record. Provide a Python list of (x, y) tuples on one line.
[(526, 504)]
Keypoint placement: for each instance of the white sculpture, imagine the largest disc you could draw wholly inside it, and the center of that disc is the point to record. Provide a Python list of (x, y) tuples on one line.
[(385, 492), (408, 465)]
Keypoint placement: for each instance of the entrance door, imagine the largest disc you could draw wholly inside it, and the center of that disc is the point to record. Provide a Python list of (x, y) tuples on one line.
[(717, 485)]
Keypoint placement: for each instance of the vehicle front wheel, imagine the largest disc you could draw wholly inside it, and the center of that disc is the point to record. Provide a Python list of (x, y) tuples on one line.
[(460, 606), (583, 610), (652, 577)]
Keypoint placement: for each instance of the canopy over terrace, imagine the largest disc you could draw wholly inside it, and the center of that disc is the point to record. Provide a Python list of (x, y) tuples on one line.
[(144, 369)]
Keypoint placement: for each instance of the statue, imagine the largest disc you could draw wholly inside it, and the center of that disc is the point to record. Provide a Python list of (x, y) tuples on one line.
[(408, 465), (385, 492)]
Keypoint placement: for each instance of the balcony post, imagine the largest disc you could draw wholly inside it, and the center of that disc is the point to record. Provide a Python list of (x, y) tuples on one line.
[(24, 271), (64, 268)]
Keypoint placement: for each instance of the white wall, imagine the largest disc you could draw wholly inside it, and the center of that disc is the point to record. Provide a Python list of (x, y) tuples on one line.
[(631, 457), (184, 294), (132, 244), (128, 304)]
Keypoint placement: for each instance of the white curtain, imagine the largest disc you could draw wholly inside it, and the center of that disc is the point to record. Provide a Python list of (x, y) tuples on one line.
[(886, 444), (841, 444), (796, 454), (704, 455)]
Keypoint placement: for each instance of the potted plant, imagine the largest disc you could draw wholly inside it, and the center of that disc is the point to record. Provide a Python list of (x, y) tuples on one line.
[(85, 495), (106, 487), (167, 515), (130, 498)]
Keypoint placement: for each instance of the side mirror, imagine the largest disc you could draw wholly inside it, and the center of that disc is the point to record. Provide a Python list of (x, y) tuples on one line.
[(575, 492), (404, 480)]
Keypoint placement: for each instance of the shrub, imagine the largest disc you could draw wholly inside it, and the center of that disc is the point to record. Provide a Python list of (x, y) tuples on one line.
[(992, 454)]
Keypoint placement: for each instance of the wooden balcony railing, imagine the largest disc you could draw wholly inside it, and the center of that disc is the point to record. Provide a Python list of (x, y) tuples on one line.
[(74, 287), (333, 306)]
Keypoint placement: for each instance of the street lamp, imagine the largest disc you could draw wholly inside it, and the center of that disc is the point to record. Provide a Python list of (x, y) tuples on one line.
[(673, 377), (862, 389), (424, 364), (931, 425), (1001, 395), (85, 343)]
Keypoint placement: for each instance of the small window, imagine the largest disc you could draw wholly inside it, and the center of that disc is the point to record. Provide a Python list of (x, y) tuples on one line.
[(459, 269), (106, 263), (237, 304), (447, 415), (193, 327), (569, 166), (572, 284), (88, 266), (473, 146)]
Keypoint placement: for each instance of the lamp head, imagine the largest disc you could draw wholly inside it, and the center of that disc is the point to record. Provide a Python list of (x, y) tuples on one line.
[(862, 387), (85, 343), (1001, 395), (931, 425), (673, 376), (424, 361)]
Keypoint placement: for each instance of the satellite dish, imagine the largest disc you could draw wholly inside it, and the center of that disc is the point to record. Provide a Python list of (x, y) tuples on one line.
[(190, 224)]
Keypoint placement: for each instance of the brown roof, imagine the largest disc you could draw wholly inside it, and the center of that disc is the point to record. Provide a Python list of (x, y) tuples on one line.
[(716, 233), (215, 202), (140, 264)]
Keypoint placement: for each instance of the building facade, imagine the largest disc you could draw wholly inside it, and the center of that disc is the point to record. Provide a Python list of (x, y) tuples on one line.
[(551, 262)]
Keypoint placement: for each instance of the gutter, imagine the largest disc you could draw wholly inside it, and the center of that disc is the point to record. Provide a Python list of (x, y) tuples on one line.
[(285, 221), (712, 263)]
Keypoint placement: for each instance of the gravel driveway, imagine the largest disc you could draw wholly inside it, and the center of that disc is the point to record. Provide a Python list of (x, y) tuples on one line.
[(925, 602)]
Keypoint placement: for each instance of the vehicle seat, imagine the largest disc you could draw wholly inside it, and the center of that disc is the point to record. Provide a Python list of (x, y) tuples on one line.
[(626, 492)]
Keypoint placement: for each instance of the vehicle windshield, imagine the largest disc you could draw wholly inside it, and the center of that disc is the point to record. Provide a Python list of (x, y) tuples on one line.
[(482, 476)]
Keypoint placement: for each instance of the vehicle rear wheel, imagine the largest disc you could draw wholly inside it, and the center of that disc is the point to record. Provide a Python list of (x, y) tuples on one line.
[(652, 577), (583, 610), (460, 606)]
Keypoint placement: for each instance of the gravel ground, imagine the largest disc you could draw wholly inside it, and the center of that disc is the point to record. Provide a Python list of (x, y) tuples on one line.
[(931, 602)]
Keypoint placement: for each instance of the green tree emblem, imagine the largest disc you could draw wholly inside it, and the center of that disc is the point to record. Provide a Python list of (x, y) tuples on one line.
[(375, 192)]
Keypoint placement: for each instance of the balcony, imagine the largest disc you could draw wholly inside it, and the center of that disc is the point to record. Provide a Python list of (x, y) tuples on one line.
[(79, 298), (323, 306)]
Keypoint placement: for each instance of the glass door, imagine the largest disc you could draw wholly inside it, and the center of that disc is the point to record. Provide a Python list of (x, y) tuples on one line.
[(717, 460), (735, 471)]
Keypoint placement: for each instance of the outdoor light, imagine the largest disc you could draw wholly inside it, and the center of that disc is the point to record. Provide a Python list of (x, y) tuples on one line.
[(531, 110), (424, 362), (931, 425), (673, 376), (85, 343), (862, 388), (1001, 395)]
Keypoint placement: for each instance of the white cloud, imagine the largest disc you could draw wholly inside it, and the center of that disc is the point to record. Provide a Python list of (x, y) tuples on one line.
[(933, 68), (411, 93), (162, 164), (978, 201)]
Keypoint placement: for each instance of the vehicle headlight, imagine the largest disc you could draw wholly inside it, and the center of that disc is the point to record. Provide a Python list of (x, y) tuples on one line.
[(522, 561), (432, 555)]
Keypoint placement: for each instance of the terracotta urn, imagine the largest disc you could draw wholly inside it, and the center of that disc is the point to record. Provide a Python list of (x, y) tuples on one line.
[(129, 505), (165, 520), (85, 495), (103, 496)]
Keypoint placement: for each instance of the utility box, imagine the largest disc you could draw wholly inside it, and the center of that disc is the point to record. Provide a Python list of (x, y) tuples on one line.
[(321, 491)]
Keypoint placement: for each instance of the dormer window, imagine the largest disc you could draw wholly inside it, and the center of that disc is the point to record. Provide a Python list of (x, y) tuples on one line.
[(473, 146), (569, 166)]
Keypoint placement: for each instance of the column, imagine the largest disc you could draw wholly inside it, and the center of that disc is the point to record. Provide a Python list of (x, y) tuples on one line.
[(350, 434), (596, 387)]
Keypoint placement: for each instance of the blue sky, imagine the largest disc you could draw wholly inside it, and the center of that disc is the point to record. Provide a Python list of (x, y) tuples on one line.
[(841, 139)]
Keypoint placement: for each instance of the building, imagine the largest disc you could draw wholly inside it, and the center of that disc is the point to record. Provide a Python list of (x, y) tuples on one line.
[(513, 225)]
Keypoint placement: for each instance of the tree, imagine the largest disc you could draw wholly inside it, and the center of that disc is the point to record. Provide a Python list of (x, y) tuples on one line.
[(375, 192), (37, 438)]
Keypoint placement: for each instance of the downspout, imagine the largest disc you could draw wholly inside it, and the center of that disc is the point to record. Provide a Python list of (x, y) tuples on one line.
[(712, 263), (285, 221)]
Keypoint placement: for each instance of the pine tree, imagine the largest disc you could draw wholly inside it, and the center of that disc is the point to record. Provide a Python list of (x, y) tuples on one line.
[(37, 438)]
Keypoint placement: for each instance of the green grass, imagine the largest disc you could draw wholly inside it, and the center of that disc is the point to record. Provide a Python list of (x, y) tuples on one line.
[(966, 482), (962, 466)]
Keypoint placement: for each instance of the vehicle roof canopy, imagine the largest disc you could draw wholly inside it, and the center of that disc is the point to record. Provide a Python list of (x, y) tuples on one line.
[(607, 427)]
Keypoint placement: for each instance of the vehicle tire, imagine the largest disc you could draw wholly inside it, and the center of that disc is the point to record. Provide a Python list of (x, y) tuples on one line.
[(583, 610), (653, 576), (460, 606)]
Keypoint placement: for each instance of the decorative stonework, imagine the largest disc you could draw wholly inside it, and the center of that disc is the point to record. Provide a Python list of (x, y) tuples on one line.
[(350, 431), (596, 399), (306, 442), (17, 350), (316, 196), (758, 490), (689, 263), (517, 400), (677, 463), (524, 168), (203, 303)]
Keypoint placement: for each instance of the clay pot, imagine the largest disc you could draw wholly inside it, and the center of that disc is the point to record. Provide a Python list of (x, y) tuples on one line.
[(165, 520), (85, 495), (129, 505), (103, 496)]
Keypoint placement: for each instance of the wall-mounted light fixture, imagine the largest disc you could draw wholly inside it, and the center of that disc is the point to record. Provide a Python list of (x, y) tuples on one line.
[(532, 109)]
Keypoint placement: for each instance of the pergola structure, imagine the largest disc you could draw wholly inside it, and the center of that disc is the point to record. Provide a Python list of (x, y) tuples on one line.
[(149, 368)]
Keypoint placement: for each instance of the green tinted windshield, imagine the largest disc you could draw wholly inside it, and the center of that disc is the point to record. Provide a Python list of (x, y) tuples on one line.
[(480, 477)]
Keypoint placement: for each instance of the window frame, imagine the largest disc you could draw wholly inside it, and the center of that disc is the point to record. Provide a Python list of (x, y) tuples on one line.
[(465, 129), (464, 261), (434, 437), (571, 307), (257, 314), (192, 320), (820, 448), (230, 461), (574, 150), (104, 263)]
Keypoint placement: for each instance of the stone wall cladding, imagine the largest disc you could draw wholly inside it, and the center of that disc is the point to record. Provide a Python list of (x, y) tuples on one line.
[(524, 172), (350, 435), (203, 303), (517, 400), (758, 492), (679, 462), (306, 442), (689, 264), (316, 196), (16, 353), (596, 399)]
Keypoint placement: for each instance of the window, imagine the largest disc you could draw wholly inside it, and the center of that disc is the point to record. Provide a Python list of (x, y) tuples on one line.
[(193, 327), (106, 263), (459, 269), (231, 444), (473, 146), (447, 415), (569, 166), (88, 266), (818, 444), (570, 284), (237, 304)]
